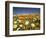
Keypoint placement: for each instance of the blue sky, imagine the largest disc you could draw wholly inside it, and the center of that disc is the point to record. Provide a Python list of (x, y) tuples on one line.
[(22, 10)]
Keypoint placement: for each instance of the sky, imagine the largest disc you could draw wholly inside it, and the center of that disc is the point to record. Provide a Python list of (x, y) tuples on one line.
[(22, 10)]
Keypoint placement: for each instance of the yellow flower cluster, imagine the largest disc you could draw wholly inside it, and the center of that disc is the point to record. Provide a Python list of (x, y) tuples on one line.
[(26, 22)]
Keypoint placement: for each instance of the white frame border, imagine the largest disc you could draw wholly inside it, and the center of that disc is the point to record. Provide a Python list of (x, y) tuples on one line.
[(11, 32)]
